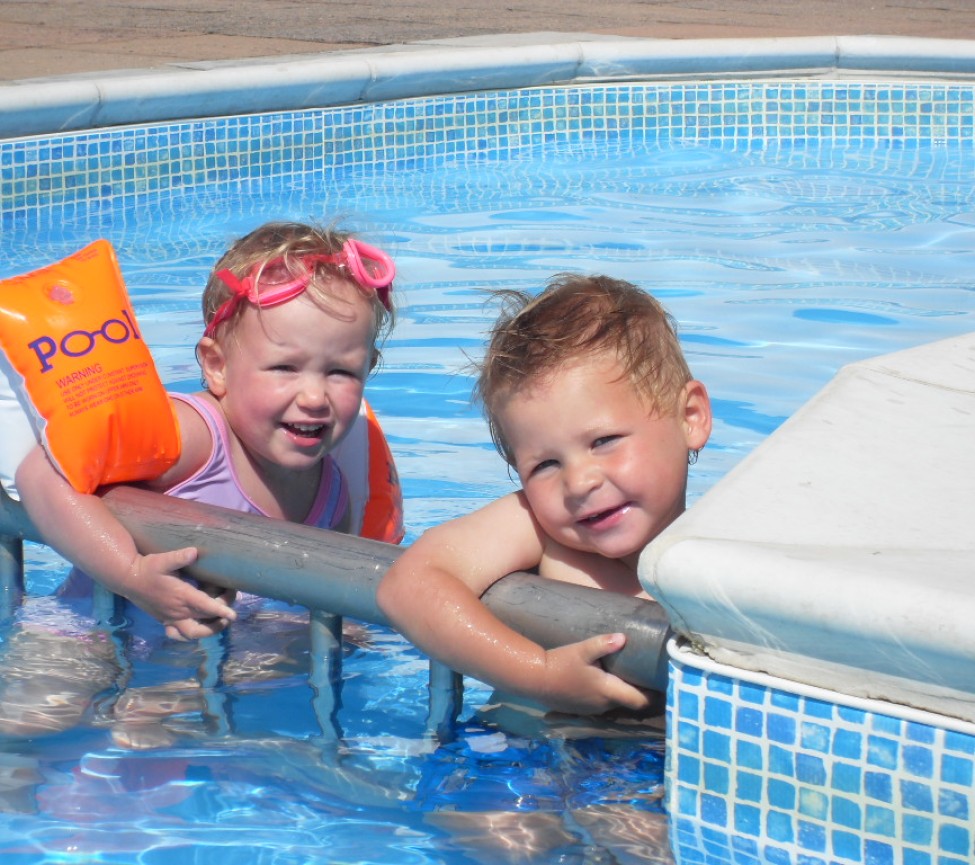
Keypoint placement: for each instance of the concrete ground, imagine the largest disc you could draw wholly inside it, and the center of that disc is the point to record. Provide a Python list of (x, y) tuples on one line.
[(71, 37)]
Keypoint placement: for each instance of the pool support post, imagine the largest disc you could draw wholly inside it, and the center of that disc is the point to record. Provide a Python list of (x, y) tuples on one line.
[(11, 573), (338, 574)]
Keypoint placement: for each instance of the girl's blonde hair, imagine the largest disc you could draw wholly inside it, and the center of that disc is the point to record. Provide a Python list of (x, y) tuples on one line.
[(573, 317), (291, 242)]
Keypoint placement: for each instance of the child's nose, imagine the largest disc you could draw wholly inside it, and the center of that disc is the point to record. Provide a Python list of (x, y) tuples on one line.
[(313, 396), (581, 478)]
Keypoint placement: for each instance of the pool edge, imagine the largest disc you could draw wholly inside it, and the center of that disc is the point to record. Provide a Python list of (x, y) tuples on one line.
[(40, 106)]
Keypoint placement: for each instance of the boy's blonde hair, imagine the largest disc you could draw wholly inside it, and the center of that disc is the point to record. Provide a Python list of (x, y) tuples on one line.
[(575, 316), (290, 241)]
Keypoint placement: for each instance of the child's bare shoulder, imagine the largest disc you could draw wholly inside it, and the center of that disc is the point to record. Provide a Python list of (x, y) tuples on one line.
[(588, 569), (196, 444), (497, 539), (508, 514)]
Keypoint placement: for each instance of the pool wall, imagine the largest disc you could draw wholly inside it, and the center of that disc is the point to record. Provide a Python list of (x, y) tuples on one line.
[(759, 769), (80, 173), (764, 770)]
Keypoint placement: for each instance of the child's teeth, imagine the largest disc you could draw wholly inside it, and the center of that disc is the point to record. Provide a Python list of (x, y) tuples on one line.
[(307, 429)]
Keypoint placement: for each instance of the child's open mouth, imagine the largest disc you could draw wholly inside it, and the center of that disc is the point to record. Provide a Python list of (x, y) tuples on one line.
[(606, 518), (304, 433)]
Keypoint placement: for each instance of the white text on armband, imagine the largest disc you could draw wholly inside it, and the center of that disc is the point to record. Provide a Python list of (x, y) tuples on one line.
[(78, 343)]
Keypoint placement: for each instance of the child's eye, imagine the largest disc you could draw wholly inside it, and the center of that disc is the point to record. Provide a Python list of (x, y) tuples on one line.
[(282, 367), (602, 441), (542, 466)]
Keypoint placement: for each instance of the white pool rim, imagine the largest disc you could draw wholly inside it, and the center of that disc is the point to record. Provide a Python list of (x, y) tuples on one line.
[(219, 88)]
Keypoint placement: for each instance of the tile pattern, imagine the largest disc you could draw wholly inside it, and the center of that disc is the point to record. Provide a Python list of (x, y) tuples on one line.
[(760, 774), (79, 169)]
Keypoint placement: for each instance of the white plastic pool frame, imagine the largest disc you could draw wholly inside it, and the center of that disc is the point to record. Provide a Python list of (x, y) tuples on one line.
[(208, 89)]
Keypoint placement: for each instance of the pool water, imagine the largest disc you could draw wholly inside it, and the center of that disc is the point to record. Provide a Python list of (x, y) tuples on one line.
[(781, 263)]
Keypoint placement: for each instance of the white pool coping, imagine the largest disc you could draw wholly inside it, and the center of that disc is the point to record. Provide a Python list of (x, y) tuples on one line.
[(682, 652), (840, 553), (211, 89)]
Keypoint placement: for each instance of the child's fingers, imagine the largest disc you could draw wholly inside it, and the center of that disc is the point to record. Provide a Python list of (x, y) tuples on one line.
[(192, 629), (212, 602), (204, 603), (596, 648), (175, 560), (169, 562), (220, 602), (175, 631), (629, 696), (613, 687)]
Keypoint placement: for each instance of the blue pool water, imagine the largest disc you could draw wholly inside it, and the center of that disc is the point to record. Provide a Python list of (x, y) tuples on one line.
[(784, 249)]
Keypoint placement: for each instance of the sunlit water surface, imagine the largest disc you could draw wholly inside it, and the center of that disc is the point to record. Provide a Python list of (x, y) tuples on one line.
[(780, 267)]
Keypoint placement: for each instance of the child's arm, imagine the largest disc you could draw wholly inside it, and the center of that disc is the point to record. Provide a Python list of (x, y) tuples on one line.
[(432, 595), (83, 530)]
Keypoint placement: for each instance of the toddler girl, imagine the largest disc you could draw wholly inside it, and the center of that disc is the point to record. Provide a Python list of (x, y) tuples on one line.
[(294, 316)]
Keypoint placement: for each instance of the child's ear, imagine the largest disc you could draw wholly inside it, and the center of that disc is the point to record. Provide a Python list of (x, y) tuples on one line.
[(697, 415), (213, 364)]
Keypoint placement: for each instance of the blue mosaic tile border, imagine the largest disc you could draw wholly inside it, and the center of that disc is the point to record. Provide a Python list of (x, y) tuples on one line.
[(759, 774), (85, 167)]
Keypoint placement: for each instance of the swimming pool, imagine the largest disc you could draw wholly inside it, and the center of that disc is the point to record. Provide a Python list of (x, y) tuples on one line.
[(786, 244)]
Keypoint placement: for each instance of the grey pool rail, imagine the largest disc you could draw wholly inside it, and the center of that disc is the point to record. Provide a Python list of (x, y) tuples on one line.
[(337, 575)]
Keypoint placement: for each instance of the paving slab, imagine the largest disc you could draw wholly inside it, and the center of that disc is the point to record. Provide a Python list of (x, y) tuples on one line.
[(85, 36)]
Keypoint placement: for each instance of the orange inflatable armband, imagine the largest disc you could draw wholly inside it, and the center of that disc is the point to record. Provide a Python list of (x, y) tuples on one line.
[(79, 365)]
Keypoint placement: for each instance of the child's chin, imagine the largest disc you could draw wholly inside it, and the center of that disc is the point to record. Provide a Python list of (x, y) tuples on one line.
[(302, 460)]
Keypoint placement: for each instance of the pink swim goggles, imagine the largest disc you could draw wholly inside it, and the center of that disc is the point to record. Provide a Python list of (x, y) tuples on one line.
[(275, 284)]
